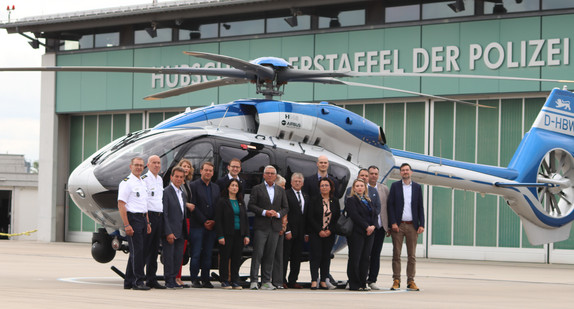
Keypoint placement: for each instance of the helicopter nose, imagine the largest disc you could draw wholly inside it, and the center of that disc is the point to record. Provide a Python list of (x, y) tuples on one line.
[(82, 185)]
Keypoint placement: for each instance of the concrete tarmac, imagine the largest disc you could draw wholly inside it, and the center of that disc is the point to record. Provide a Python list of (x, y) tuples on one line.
[(64, 275)]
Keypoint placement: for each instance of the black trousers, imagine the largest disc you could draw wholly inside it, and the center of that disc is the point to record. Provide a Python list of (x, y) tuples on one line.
[(152, 242), (230, 254), (376, 255), (360, 246), (292, 254), (136, 261), (320, 256)]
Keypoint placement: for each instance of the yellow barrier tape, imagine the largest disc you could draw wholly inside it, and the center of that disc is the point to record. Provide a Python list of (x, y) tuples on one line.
[(19, 234)]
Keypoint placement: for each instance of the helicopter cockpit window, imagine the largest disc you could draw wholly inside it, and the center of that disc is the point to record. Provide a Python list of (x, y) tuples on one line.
[(115, 166), (197, 154), (252, 164), (308, 168)]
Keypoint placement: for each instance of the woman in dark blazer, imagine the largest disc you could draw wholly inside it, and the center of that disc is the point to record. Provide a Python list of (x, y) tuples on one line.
[(363, 215), (232, 229), (323, 213)]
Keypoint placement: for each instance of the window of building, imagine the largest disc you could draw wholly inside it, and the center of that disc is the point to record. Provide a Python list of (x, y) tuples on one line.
[(402, 13), (442, 10), (204, 32), (288, 23), (344, 19), (145, 36), (557, 4), (107, 39), (511, 6), (245, 27), (87, 41)]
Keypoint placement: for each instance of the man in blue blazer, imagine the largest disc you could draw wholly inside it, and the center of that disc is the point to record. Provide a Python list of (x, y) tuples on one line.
[(407, 220), (174, 227)]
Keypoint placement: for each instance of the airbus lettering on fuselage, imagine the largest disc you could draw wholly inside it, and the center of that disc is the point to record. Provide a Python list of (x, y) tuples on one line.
[(291, 121)]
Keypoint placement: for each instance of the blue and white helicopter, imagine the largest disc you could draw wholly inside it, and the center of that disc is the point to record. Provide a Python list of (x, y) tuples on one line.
[(537, 184)]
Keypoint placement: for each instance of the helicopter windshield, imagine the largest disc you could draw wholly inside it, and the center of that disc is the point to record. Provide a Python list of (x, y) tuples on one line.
[(165, 144)]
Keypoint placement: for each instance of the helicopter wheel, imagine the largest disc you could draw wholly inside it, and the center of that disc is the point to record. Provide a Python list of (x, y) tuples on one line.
[(557, 166)]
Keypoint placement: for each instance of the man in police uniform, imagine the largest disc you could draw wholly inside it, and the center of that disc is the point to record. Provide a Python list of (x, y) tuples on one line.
[(132, 205), (154, 184)]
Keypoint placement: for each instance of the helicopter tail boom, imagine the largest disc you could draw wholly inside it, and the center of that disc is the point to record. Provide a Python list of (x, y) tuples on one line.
[(538, 182)]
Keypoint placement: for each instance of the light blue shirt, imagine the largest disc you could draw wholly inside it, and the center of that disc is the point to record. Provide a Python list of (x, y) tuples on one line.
[(407, 196)]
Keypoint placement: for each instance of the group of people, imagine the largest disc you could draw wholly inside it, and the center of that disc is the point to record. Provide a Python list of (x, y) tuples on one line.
[(202, 213)]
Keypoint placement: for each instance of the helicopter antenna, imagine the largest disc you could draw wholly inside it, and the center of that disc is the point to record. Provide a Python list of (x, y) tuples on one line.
[(220, 121)]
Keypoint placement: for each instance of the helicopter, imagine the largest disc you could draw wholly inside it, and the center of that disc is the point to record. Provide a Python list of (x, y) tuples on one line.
[(537, 184)]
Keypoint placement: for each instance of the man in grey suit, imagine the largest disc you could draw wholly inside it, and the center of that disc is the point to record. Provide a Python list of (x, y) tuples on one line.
[(175, 227), (269, 204), (382, 227)]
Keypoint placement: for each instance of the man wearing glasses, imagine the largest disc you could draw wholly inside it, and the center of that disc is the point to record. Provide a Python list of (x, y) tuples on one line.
[(269, 204), (233, 168)]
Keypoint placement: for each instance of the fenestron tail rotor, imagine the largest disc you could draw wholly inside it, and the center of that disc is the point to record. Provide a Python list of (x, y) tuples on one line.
[(557, 170)]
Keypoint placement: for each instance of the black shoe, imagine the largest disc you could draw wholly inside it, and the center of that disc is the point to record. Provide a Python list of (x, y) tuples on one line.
[(141, 287), (196, 284), (156, 285), (207, 285), (127, 287), (184, 286)]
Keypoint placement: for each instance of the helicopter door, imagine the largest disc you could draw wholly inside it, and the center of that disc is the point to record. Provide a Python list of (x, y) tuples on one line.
[(253, 161), (196, 152)]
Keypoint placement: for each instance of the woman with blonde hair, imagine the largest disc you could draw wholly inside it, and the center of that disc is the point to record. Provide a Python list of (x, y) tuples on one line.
[(362, 212)]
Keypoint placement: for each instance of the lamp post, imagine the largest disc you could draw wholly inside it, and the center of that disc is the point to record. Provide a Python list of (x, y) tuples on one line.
[(10, 9)]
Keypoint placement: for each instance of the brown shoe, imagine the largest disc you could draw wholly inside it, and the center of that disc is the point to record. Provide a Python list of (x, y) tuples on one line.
[(295, 286), (396, 284), (411, 286)]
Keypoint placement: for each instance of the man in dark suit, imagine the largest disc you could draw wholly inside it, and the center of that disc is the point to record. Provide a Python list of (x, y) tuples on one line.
[(407, 220), (233, 168), (295, 233), (174, 227), (204, 195), (269, 204), (311, 184)]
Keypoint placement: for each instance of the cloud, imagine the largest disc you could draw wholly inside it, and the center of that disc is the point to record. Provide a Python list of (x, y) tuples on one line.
[(20, 136)]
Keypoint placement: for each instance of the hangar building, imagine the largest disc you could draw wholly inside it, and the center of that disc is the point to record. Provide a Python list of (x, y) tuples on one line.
[(82, 112)]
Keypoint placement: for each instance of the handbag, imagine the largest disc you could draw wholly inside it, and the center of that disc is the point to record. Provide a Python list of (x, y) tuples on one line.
[(344, 225)]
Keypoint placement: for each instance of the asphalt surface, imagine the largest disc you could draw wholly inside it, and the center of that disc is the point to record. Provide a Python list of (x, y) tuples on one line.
[(64, 275)]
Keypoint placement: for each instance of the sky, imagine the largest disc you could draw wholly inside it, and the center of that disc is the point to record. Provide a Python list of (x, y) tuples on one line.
[(20, 92)]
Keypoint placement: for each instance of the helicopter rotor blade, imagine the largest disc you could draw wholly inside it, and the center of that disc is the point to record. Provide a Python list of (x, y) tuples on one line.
[(389, 74), (302, 75), (196, 87), (262, 71), (411, 92), (225, 72)]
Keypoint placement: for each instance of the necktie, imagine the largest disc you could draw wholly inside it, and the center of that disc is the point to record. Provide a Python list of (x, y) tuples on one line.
[(299, 200)]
